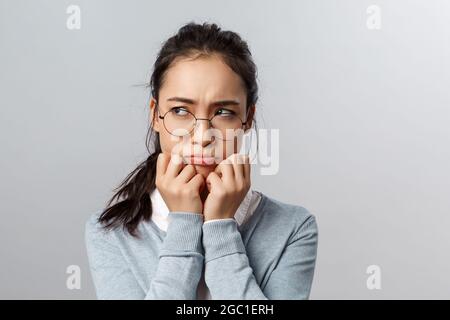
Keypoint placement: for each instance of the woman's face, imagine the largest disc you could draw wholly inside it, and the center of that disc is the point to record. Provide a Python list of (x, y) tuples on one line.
[(201, 82)]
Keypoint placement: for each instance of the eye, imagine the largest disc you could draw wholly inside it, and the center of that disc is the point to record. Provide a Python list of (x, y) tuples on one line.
[(179, 111), (225, 112)]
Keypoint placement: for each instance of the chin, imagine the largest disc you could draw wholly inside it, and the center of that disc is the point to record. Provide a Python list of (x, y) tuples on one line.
[(205, 170)]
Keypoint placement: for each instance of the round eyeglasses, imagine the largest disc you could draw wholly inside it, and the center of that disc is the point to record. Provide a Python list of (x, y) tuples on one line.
[(180, 122)]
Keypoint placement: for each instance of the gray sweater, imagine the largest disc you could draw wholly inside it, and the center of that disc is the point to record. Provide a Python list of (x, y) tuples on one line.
[(271, 256)]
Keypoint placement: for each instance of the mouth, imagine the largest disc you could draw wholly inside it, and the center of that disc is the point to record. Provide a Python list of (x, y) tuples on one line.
[(201, 160)]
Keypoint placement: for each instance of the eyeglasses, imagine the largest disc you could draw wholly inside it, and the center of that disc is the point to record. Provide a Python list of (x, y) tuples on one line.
[(180, 122)]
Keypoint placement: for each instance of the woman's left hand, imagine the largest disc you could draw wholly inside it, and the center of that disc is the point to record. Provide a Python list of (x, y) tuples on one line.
[(227, 184)]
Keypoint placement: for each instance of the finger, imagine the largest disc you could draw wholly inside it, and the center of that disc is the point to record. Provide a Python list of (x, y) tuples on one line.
[(175, 166), (213, 180), (197, 181), (161, 163), (238, 167), (225, 170), (187, 173), (247, 168)]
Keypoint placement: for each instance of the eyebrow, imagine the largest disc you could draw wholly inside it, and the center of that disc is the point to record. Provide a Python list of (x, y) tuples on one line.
[(215, 103)]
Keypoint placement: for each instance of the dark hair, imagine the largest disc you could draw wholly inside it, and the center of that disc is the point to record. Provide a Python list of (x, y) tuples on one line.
[(133, 194)]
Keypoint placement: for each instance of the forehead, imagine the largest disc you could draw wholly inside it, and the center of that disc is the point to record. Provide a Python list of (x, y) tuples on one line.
[(203, 78)]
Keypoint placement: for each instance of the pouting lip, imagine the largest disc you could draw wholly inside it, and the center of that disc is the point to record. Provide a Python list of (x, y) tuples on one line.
[(201, 160), (199, 156)]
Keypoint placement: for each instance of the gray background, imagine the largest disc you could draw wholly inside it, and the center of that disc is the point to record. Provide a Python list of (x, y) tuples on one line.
[(363, 117)]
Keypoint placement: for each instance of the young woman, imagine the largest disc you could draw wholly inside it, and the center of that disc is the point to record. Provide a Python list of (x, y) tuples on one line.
[(187, 224)]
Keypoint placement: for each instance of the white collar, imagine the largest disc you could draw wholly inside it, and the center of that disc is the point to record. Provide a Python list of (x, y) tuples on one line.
[(161, 211)]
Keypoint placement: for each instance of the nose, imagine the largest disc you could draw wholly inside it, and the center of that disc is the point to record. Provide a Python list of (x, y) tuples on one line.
[(201, 135)]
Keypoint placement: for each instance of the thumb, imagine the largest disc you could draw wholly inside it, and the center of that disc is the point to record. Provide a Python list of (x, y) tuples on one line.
[(212, 179), (218, 171)]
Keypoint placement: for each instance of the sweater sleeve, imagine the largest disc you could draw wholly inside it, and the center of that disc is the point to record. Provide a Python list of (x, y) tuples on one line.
[(178, 271), (228, 274)]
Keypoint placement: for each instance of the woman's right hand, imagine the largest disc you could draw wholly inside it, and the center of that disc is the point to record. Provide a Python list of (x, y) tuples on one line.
[(179, 184)]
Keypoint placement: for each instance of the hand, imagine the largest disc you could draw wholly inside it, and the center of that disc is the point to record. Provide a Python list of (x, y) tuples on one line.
[(227, 184), (179, 184)]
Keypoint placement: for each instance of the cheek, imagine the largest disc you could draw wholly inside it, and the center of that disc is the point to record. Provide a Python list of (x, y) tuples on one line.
[(169, 143), (230, 147)]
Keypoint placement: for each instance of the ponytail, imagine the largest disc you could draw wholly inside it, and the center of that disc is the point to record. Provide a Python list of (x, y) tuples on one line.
[(135, 192)]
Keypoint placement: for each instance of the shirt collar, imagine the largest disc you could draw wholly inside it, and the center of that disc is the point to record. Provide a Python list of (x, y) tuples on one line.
[(160, 208)]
